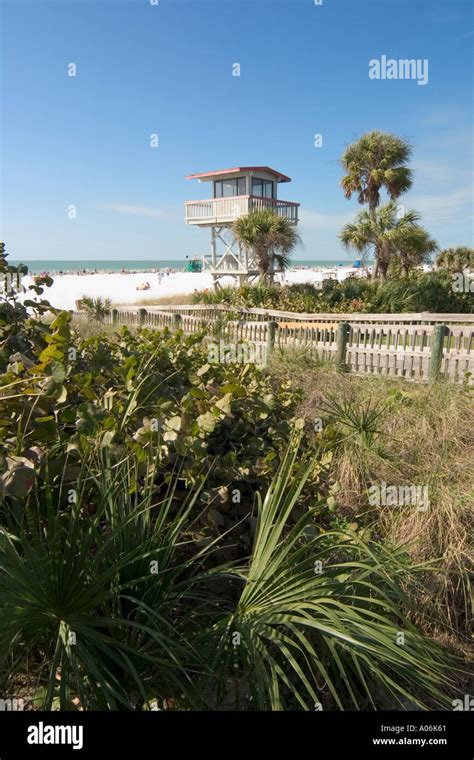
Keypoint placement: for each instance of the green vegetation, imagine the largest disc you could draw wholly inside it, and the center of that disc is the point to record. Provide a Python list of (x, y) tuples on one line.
[(179, 533), (431, 292), (113, 593), (456, 259), (393, 433), (271, 239), (131, 390), (96, 308), (391, 236), (376, 161)]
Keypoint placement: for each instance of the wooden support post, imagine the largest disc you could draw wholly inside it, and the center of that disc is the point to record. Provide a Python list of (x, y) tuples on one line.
[(342, 340), (176, 322), (142, 316), (437, 345), (213, 247), (271, 333), (114, 316)]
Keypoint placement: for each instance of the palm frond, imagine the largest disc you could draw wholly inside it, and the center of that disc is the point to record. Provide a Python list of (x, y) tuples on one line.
[(307, 637)]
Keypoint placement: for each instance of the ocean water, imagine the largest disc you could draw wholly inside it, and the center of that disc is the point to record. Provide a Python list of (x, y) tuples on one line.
[(50, 265)]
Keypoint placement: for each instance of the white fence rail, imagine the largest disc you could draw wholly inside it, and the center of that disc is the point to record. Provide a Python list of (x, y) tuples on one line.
[(411, 318)]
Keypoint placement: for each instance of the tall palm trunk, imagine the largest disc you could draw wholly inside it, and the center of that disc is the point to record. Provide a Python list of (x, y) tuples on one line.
[(271, 267), (405, 265), (263, 263), (383, 262), (373, 199)]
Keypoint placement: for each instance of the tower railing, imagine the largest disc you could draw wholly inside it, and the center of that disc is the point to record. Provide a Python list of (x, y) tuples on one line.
[(225, 210)]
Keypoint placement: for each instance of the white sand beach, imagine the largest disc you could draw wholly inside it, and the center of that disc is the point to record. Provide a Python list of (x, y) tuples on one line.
[(121, 287)]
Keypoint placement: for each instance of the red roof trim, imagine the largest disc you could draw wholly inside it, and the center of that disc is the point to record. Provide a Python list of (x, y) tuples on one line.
[(237, 169)]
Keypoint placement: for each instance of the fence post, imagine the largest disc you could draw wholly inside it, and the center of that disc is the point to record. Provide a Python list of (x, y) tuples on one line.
[(271, 333), (343, 330), (176, 324), (437, 344), (142, 316), (114, 316)]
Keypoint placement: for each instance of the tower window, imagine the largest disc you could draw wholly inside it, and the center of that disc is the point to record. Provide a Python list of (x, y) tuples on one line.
[(263, 188), (226, 188)]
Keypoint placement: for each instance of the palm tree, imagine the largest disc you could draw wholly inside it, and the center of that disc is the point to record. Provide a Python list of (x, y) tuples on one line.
[(271, 238), (376, 160), (389, 235), (96, 308), (456, 259), (416, 249)]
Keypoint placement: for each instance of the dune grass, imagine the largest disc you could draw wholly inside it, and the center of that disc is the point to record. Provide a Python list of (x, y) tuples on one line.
[(182, 299), (401, 433)]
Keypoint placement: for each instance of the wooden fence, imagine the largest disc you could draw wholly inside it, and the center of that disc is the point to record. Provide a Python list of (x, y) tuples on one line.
[(215, 311), (418, 347)]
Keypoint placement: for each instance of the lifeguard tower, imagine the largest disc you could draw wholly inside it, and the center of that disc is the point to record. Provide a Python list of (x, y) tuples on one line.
[(236, 192)]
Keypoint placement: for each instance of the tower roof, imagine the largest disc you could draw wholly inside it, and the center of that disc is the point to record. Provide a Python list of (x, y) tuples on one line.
[(238, 170)]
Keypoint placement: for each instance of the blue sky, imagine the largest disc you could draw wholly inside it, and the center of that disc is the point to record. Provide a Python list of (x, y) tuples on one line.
[(167, 69)]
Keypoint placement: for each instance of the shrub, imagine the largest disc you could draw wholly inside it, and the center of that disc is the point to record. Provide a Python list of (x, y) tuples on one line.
[(432, 292), (387, 430), (108, 601), (96, 308)]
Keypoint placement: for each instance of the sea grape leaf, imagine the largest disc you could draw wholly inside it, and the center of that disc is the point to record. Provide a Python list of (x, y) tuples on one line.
[(207, 422), (174, 423), (224, 403)]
